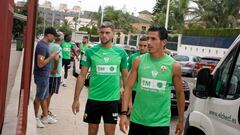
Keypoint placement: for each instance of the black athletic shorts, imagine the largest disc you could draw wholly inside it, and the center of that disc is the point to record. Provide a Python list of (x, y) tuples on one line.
[(66, 63), (96, 109), (54, 84), (137, 129)]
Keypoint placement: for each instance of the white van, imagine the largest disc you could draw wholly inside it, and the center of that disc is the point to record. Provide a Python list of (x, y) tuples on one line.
[(216, 109)]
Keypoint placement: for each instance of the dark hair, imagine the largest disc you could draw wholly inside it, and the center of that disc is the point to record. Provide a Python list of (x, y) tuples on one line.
[(143, 38), (163, 34), (50, 30), (85, 37), (107, 24), (66, 36)]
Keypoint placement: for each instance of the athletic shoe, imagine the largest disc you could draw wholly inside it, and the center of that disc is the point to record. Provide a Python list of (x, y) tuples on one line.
[(52, 115), (64, 84), (39, 123), (48, 120)]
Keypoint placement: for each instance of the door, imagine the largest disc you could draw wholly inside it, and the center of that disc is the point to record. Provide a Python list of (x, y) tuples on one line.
[(223, 108)]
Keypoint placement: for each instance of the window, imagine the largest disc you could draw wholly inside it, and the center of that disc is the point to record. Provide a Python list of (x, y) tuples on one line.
[(185, 48), (202, 50), (216, 51), (144, 28), (221, 84), (234, 86), (209, 51), (228, 81)]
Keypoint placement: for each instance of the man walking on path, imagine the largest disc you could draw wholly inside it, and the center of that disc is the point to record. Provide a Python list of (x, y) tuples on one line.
[(67, 47), (56, 70), (155, 72), (41, 75), (106, 62)]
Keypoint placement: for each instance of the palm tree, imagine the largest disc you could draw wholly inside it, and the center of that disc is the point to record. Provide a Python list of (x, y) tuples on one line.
[(217, 13), (178, 9), (65, 27)]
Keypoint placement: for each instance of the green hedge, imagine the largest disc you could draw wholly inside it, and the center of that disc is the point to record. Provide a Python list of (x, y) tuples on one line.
[(212, 32)]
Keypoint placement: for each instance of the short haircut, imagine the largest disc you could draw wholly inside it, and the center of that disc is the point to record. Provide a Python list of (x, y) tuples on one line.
[(163, 34), (66, 36), (143, 38), (85, 37), (50, 30), (107, 24)]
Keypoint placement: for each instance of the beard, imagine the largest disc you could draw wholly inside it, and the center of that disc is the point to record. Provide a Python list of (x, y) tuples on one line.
[(105, 42)]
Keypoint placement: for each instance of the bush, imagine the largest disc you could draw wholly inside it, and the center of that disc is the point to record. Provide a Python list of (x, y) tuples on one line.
[(212, 32)]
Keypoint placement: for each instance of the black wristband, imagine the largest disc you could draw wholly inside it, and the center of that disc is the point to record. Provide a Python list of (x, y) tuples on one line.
[(124, 113)]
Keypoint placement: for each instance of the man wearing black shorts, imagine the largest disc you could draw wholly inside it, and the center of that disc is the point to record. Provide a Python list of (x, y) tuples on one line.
[(106, 62)]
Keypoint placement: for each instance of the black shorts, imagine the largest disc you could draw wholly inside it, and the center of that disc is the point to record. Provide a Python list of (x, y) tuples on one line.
[(54, 84), (96, 109), (66, 63), (137, 129)]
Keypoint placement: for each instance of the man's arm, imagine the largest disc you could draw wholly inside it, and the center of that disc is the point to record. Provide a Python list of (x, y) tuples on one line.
[(41, 61), (177, 81), (127, 94), (124, 73), (78, 88), (55, 66)]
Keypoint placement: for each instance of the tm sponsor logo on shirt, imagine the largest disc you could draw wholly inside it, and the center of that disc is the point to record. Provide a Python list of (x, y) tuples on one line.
[(106, 69), (153, 85)]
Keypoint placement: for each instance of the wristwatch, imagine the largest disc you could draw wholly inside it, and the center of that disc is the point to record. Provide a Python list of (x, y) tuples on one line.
[(124, 113)]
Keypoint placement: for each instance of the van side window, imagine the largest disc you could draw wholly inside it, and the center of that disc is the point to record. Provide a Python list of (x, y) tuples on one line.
[(234, 86), (222, 79)]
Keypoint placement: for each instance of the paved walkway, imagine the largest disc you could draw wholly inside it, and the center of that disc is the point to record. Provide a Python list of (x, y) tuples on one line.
[(68, 123)]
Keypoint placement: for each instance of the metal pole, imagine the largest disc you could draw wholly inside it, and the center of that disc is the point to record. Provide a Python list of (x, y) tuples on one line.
[(167, 14), (53, 18), (102, 12), (44, 22), (79, 14)]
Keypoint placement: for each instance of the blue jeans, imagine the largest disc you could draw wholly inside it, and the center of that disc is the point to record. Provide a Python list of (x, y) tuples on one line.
[(42, 84)]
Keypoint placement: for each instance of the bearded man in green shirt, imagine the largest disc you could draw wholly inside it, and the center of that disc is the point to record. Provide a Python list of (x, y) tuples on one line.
[(106, 61), (155, 72)]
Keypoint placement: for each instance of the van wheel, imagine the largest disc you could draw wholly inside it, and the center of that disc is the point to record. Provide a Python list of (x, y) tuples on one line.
[(194, 131)]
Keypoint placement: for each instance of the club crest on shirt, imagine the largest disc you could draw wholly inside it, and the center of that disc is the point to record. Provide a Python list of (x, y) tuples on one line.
[(154, 73), (106, 59), (163, 68)]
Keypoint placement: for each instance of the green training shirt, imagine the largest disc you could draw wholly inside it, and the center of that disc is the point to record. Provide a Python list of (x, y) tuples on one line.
[(55, 47), (83, 47), (152, 105), (130, 63), (66, 49), (105, 64)]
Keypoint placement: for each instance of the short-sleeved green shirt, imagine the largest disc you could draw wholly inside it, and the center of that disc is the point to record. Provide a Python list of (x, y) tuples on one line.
[(130, 63), (66, 49), (105, 64), (55, 47)]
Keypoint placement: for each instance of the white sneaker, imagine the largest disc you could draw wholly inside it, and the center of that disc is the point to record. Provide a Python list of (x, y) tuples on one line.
[(48, 120), (52, 115), (39, 123)]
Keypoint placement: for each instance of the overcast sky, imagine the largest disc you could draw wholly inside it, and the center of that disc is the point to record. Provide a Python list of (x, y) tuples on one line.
[(92, 5)]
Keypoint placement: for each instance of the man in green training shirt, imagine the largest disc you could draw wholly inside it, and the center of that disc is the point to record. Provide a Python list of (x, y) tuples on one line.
[(155, 72), (106, 62), (67, 47), (143, 48), (83, 46)]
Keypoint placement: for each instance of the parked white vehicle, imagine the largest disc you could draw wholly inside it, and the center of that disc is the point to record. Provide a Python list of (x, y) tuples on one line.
[(216, 109)]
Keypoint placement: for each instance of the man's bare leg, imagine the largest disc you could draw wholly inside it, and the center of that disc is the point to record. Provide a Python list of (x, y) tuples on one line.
[(109, 129), (93, 129)]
